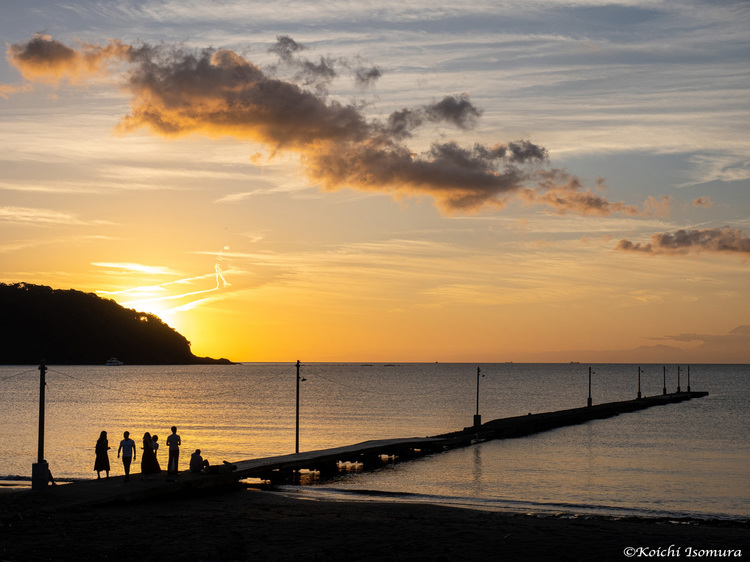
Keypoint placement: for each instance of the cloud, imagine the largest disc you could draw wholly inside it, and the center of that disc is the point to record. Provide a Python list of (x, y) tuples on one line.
[(367, 76), (176, 92), (685, 241), (135, 268), (704, 202), (41, 59), (7, 89), (718, 348), (43, 217)]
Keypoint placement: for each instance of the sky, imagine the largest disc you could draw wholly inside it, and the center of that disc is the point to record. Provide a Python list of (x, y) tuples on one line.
[(352, 181)]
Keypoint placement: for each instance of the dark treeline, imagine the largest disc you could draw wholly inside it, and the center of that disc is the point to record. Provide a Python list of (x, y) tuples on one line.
[(68, 327)]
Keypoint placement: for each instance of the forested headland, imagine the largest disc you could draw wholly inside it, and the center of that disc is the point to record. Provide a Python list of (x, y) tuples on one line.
[(69, 327)]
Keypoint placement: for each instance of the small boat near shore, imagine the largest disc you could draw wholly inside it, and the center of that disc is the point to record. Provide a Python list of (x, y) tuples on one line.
[(113, 362)]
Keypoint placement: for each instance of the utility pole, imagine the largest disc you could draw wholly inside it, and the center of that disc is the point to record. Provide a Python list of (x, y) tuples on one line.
[(589, 402), (678, 378), (40, 469), (664, 391)]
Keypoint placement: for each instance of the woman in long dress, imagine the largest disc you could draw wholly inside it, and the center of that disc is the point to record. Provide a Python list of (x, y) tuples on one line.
[(149, 464), (102, 457)]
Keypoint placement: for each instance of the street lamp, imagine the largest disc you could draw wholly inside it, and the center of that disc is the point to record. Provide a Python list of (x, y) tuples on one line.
[(40, 469), (639, 382), (296, 441), (477, 417)]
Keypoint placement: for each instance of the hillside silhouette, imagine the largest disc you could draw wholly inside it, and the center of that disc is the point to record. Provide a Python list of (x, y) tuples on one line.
[(69, 327)]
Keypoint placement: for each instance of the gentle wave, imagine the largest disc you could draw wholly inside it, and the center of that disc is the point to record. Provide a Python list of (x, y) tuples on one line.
[(509, 506)]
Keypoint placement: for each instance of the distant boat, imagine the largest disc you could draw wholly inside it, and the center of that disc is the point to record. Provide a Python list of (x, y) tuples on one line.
[(113, 362)]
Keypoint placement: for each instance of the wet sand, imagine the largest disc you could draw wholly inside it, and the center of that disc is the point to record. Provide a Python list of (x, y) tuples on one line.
[(257, 525)]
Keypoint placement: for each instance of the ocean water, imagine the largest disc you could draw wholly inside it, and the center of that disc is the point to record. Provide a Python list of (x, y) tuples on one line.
[(690, 459)]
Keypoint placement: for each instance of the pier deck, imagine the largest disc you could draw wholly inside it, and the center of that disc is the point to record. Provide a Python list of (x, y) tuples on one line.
[(97, 492)]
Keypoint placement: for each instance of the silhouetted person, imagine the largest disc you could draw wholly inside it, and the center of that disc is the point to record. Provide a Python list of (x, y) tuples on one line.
[(196, 462), (155, 442), (102, 457), (173, 442), (127, 446), (149, 464), (49, 476)]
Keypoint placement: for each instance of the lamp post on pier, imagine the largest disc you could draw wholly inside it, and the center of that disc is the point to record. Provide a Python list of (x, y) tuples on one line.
[(678, 378), (477, 417), (589, 401), (664, 390), (688, 378), (639, 382), (40, 469), (296, 440)]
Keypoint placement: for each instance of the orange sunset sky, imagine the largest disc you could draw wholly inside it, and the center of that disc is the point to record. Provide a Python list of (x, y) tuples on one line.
[(500, 181)]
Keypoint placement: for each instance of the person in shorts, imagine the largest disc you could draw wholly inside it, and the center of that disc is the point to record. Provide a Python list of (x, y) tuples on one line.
[(127, 447)]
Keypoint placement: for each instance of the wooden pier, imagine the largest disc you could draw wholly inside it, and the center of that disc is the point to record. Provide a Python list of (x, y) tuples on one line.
[(328, 461)]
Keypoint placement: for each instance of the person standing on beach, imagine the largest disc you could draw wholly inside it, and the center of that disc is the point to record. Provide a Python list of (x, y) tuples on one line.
[(102, 457), (149, 464), (127, 446), (173, 442), (155, 442)]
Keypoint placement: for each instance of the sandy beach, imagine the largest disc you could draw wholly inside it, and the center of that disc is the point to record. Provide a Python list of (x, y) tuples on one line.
[(241, 524)]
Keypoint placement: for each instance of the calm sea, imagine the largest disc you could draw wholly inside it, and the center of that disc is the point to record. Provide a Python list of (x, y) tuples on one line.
[(688, 459)]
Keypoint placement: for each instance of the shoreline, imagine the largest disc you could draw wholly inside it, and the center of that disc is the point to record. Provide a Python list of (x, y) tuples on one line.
[(316, 493), (243, 524), (335, 495)]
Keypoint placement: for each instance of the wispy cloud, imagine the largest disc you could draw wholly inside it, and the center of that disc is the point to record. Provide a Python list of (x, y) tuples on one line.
[(44, 217), (128, 268), (7, 89)]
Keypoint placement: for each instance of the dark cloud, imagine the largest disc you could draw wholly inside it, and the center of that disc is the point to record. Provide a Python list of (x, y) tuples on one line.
[(211, 92), (286, 48), (686, 241), (457, 110), (318, 75), (454, 110), (367, 76)]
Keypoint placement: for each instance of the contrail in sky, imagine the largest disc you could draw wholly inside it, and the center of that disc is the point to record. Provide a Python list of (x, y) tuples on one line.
[(177, 92)]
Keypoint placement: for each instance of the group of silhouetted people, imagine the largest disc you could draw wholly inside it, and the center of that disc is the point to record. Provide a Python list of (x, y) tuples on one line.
[(149, 463)]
